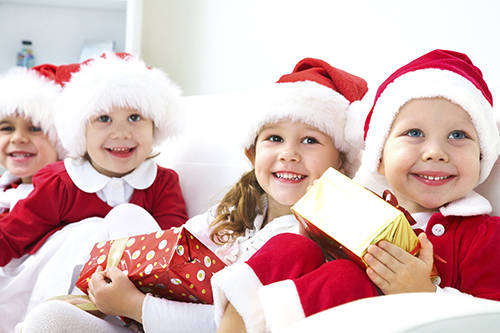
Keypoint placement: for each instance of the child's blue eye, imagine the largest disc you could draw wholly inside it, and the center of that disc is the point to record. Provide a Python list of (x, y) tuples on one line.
[(134, 118), (104, 119), (414, 133), (275, 138), (7, 128), (457, 135), (310, 140)]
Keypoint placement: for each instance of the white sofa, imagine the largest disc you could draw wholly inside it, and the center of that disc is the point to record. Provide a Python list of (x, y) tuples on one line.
[(209, 158)]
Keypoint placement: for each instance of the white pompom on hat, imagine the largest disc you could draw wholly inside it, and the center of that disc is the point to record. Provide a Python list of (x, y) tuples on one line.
[(439, 73), (32, 93), (95, 86), (316, 94)]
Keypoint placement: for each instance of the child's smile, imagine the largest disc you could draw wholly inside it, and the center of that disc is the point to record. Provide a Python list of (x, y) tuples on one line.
[(289, 176), (121, 152), (21, 155), (433, 179)]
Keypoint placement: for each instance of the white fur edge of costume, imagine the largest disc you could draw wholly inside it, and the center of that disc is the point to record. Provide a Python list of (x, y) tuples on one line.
[(470, 205), (429, 83), (281, 305), (108, 82), (29, 94), (310, 103), (241, 294)]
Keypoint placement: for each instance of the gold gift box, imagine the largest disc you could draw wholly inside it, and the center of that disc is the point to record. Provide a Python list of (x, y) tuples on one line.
[(344, 218)]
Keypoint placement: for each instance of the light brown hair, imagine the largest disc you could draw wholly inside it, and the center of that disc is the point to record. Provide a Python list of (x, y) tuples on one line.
[(238, 209)]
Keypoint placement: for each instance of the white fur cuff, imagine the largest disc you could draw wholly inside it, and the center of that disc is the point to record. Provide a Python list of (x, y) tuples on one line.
[(238, 285), (281, 305)]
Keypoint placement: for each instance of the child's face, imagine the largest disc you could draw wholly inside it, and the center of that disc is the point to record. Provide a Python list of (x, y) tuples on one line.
[(431, 156), (24, 148), (119, 142), (288, 157)]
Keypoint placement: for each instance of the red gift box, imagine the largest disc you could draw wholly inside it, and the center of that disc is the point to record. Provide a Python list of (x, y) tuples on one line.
[(171, 264)]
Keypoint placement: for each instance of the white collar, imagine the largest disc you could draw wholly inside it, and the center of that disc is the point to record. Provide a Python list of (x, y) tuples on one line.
[(7, 179), (470, 205), (87, 179)]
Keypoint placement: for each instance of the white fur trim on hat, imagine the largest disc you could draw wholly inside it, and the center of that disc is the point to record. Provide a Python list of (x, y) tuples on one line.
[(27, 93), (429, 83), (310, 103), (109, 82)]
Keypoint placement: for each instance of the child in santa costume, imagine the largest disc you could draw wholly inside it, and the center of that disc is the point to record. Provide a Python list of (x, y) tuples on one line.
[(97, 176), (112, 113), (431, 136), (28, 138), (296, 134)]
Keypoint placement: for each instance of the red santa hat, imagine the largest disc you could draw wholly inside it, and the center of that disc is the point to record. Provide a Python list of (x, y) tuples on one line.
[(95, 86), (440, 73), (316, 94), (32, 93)]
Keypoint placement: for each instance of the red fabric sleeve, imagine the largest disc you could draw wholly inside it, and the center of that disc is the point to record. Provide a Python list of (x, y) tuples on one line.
[(478, 269), (164, 200), (470, 246), (48, 208)]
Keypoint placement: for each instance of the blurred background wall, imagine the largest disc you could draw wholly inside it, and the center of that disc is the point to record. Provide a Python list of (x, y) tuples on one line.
[(219, 46)]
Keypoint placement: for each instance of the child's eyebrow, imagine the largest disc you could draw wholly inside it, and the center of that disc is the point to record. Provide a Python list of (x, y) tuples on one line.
[(268, 127), (312, 128)]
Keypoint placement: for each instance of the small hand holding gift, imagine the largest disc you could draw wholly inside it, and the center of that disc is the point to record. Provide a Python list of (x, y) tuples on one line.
[(395, 271), (171, 264), (114, 294), (345, 218)]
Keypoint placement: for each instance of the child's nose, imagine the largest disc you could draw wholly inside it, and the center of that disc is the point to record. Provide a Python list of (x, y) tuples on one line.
[(19, 136), (289, 154), (121, 131), (435, 152)]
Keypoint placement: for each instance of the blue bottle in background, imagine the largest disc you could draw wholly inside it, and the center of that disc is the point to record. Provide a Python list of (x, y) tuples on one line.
[(25, 57)]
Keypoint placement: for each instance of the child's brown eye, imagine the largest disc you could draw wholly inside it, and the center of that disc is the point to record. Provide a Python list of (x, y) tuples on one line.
[(104, 119), (275, 138), (134, 117)]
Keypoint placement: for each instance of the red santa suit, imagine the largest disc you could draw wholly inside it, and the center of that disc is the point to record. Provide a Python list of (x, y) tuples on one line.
[(282, 284), (57, 201)]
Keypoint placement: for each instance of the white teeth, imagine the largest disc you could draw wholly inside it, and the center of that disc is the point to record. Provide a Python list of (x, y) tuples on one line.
[(21, 155), (289, 176), (120, 149), (434, 178)]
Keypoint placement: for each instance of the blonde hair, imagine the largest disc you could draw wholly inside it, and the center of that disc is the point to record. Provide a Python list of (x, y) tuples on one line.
[(237, 210)]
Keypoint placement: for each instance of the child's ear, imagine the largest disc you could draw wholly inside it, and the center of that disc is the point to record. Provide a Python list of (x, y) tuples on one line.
[(381, 167), (250, 154), (341, 168)]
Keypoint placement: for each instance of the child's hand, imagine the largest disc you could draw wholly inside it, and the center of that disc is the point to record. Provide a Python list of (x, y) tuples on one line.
[(114, 294), (396, 271)]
